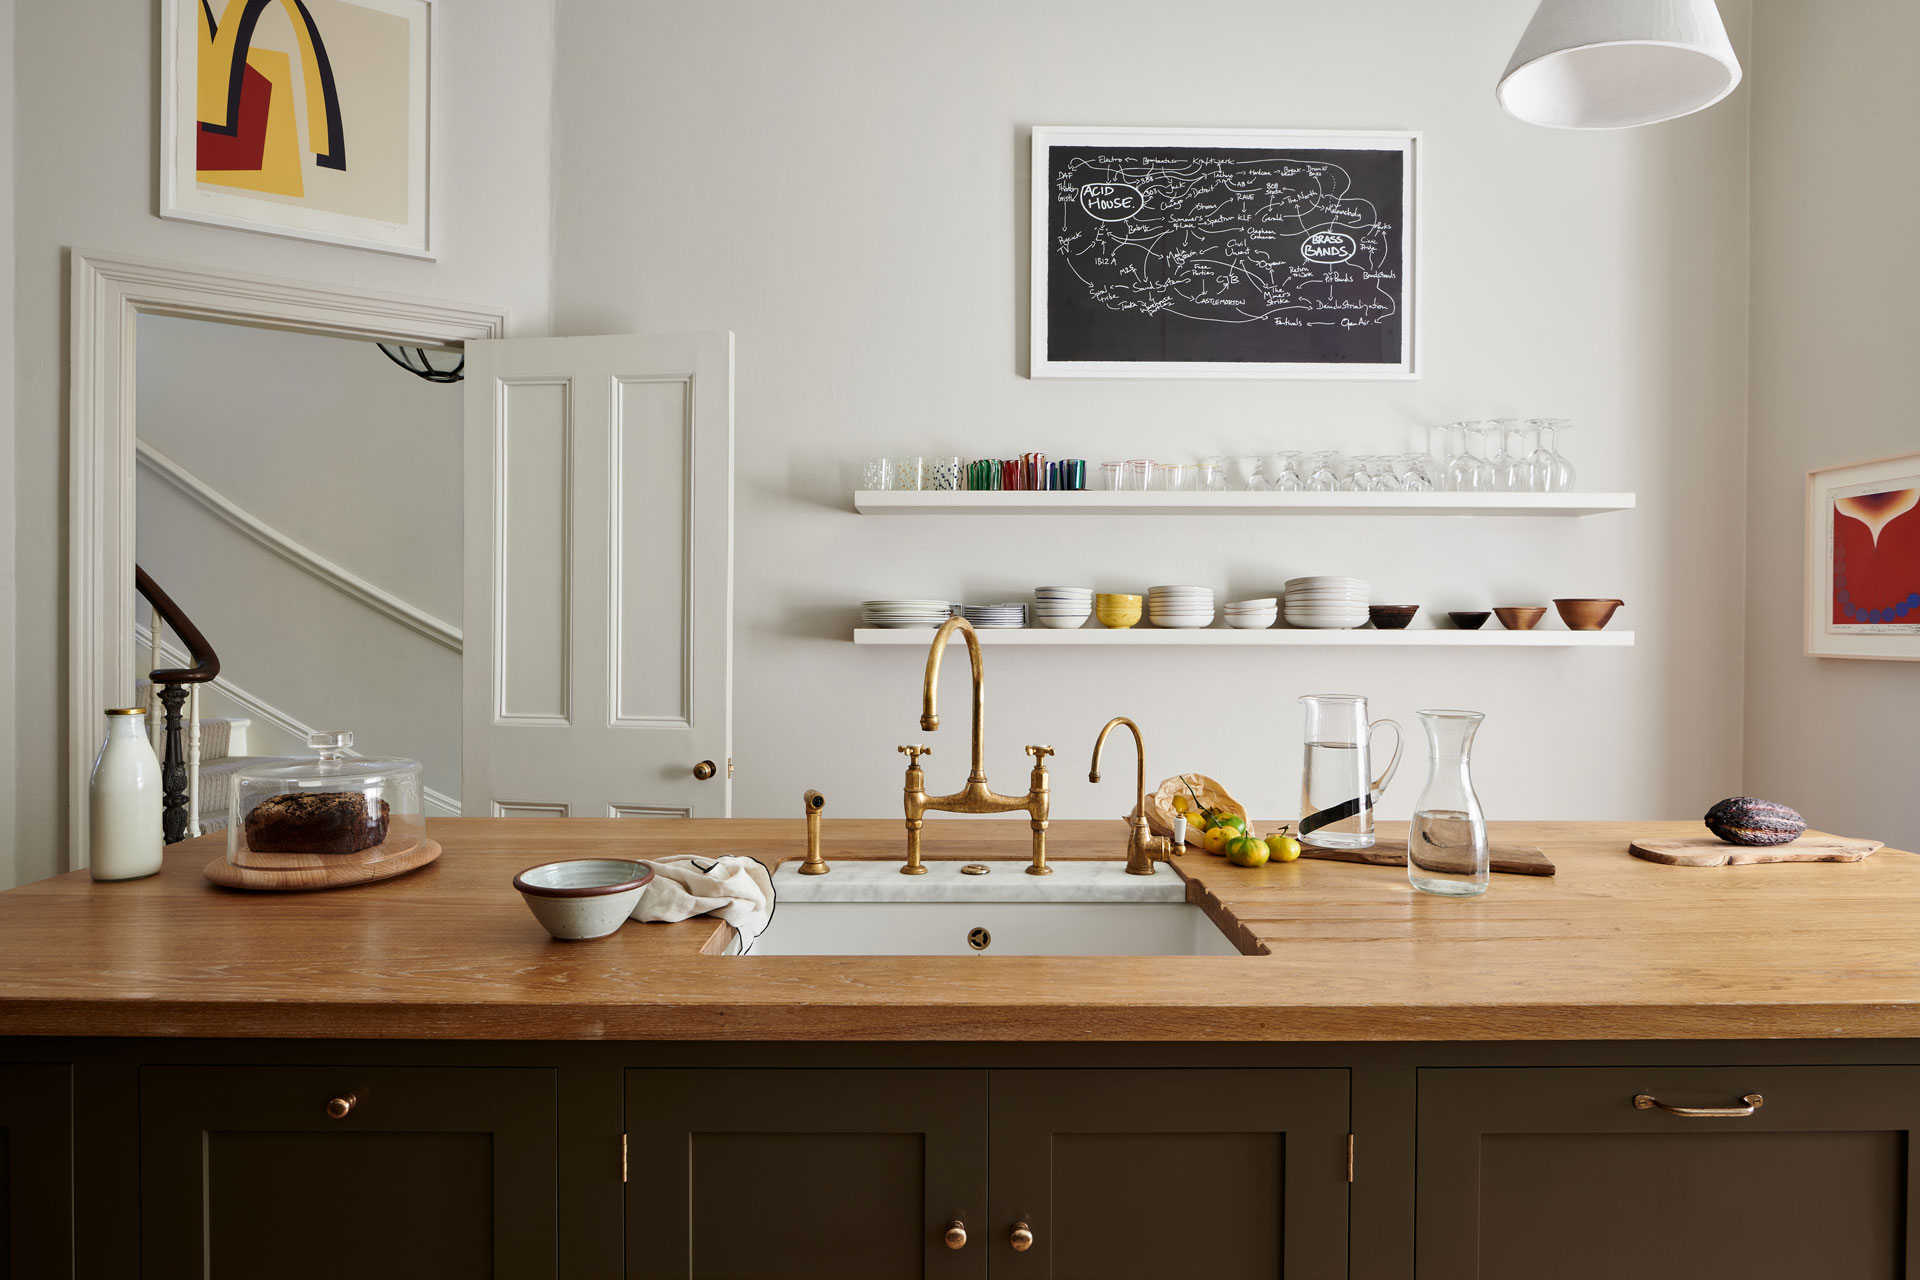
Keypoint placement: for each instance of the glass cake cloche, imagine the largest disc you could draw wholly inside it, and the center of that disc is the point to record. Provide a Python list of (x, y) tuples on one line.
[(337, 809)]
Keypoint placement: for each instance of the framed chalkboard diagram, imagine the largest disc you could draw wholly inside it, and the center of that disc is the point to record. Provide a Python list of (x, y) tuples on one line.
[(1181, 253)]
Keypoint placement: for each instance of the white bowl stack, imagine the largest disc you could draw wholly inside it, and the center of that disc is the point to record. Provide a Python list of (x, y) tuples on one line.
[(991, 616), (1328, 603), (1254, 615), (1181, 606), (1062, 607), (904, 613)]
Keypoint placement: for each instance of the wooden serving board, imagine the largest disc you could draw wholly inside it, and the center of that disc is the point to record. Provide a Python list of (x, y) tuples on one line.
[(338, 876), (1711, 851), (1512, 859)]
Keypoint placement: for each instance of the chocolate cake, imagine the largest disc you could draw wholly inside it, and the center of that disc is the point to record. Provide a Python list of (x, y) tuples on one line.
[(315, 822)]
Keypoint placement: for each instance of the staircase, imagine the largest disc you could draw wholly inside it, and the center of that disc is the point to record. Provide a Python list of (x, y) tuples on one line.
[(223, 751)]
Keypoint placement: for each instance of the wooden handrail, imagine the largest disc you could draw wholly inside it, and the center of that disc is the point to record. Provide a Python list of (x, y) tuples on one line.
[(206, 663)]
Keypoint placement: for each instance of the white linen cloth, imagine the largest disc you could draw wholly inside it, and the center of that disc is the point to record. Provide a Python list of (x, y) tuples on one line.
[(737, 889)]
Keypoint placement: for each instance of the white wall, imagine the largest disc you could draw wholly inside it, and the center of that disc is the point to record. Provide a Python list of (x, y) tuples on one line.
[(351, 457), (843, 183), (86, 175), (1835, 100)]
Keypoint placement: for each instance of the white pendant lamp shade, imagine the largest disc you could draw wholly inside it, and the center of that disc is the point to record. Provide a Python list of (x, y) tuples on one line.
[(1614, 64)]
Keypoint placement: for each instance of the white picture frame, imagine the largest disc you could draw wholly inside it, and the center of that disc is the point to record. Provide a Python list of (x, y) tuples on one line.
[(1884, 625), (182, 196), (1046, 360)]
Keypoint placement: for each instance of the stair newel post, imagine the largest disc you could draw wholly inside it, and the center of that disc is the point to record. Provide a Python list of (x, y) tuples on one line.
[(173, 767)]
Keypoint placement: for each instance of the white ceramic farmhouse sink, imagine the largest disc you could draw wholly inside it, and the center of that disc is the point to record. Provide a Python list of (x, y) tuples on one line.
[(1083, 909)]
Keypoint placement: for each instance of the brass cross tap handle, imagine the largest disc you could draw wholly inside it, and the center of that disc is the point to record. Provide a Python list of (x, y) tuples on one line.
[(913, 755), (1646, 1102), (956, 1235), (341, 1107), (1022, 1237), (1039, 754)]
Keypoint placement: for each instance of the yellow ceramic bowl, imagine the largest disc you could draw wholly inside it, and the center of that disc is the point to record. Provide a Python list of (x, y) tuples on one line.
[(1119, 612)]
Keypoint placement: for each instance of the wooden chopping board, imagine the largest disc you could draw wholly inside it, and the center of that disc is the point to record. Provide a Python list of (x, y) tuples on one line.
[(1512, 859), (1711, 851), (331, 876)]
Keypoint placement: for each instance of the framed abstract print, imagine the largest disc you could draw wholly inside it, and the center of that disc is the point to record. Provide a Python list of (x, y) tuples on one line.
[(307, 118), (1863, 560)]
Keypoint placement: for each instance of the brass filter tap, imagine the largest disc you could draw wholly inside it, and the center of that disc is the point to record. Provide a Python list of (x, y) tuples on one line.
[(815, 865)]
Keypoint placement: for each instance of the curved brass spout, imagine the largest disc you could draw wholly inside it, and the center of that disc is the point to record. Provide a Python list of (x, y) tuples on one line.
[(976, 796), (929, 713), (1142, 845)]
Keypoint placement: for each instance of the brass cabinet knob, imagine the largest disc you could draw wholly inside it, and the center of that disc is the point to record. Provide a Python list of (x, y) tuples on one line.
[(341, 1107), (704, 771), (956, 1235), (1022, 1237)]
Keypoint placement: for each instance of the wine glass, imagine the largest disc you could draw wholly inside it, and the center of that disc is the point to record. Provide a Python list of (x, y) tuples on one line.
[(1282, 470), (1463, 469), (1247, 471), (1320, 474), (1414, 474), (1502, 477), (1560, 473)]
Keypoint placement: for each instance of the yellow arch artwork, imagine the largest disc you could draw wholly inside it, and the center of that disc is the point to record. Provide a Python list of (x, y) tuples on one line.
[(242, 146)]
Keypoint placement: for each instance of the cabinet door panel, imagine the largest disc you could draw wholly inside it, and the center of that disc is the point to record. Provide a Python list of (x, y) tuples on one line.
[(36, 1172), (805, 1175), (432, 1173), (1531, 1172), (1165, 1175)]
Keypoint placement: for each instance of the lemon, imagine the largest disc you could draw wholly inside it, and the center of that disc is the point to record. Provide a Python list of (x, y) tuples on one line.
[(1283, 847), (1199, 821), (1245, 851), (1181, 804), (1216, 840)]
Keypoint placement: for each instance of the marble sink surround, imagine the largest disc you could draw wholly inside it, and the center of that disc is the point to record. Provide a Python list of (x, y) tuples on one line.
[(1071, 881)]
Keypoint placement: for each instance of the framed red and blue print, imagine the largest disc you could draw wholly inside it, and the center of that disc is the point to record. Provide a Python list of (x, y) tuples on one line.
[(1863, 560)]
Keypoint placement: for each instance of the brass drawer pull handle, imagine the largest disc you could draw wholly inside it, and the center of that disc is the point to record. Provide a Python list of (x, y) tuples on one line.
[(1646, 1102), (1022, 1237), (341, 1107), (956, 1236)]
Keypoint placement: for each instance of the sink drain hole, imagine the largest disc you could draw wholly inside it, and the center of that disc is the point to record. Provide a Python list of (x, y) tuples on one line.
[(979, 939)]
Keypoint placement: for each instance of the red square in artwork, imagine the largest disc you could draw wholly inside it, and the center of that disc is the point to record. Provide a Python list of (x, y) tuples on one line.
[(1876, 558)]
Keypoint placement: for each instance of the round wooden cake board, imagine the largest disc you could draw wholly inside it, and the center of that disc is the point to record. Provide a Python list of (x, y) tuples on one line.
[(1711, 851), (224, 873)]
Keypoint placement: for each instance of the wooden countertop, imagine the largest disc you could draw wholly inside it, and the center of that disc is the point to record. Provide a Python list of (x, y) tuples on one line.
[(1611, 948)]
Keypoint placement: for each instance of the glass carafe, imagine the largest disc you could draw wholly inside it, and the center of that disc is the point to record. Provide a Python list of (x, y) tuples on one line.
[(1447, 843), (1337, 786)]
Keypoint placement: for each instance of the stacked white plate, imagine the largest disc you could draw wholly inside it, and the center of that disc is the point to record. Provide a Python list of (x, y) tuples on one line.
[(1180, 606), (1254, 615), (1062, 607), (904, 613), (1328, 603), (995, 615)]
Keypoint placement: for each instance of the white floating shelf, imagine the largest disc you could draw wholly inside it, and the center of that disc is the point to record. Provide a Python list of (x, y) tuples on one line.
[(874, 502), (1274, 637)]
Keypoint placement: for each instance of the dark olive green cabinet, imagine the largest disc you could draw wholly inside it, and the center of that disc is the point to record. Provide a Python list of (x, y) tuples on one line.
[(1164, 1174), (1524, 1173), (325, 1172), (36, 1172), (805, 1175)]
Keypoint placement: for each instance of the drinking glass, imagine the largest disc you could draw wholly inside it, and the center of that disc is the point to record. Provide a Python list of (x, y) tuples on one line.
[(1113, 476), (1478, 436), (1320, 474), (1499, 462), (945, 474), (1383, 475), (909, 473), (1353, 475), (877, 474), (1282, 470), (1139, 475), (1247, 474), (1211, 475), (1173, 477), (1517, 476), (1463, 469), (1560, 472), (1413, 473)]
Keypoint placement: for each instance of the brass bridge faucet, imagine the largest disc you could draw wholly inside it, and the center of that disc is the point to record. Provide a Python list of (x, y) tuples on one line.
[(976, 796), (1142, 846)]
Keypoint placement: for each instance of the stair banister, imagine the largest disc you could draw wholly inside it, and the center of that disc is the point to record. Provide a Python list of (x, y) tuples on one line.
[(179, 762)]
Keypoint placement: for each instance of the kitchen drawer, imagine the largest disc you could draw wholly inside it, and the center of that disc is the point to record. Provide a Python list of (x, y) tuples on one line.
[(431, 1172), (1523, 1173), (36, 1172)]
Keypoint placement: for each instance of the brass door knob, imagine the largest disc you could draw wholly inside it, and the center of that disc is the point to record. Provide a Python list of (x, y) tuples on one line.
[(704, 771), (341, 1107), (956, 1235), (1022, 1237)]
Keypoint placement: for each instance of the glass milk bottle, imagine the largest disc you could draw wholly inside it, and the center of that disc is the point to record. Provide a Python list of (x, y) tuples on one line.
[(1447, 843), (123, 804)]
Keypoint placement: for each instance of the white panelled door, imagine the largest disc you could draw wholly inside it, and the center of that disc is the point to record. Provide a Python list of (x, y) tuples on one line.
[(598, 664)]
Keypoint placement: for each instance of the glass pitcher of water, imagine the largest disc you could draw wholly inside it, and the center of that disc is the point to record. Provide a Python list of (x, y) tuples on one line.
[(1337, 786)]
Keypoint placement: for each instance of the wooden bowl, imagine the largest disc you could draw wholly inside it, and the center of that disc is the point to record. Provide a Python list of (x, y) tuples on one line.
[(1161, 813), (1469, 620), (1391, 617), (1520, 617), (1586, 614)]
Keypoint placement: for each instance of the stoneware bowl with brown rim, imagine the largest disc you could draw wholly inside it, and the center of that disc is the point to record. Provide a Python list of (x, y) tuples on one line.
[(1520, 617), (583, 897), (1469, 619), (1391, 617), (1582, 614)]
